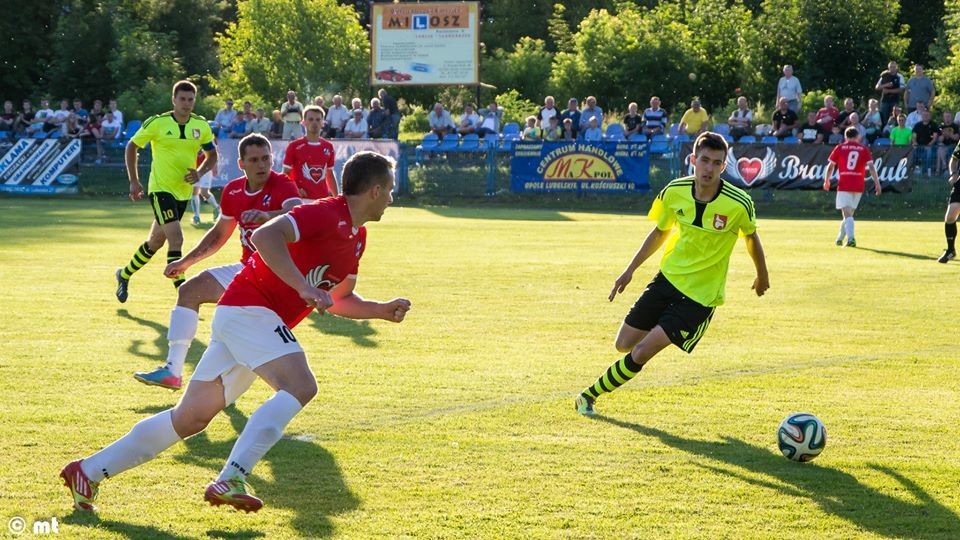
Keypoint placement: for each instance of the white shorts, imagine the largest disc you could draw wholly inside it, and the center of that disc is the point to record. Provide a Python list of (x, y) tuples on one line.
[(243, 339), (224, 274), (848, 199), (206, 181)]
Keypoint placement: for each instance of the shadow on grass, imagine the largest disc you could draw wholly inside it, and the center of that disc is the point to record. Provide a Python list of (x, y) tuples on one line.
[(509, 214), (82, 518), (835, 491), (904, 254), (137, 348), (306, 479), (359, 331)]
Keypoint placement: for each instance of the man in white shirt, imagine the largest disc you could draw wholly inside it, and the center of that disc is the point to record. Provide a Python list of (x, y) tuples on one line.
[(356, 127), (440, 121), (337, 117), (741, 119), (224, 119), (469, 120), (788, 87)]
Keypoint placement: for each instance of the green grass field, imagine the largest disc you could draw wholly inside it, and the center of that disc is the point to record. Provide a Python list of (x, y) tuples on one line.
[(460, 421)]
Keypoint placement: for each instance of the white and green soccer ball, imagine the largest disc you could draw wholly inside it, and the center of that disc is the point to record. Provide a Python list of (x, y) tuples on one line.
[(801, 436)]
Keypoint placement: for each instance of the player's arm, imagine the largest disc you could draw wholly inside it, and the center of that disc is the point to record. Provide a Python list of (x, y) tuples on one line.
[(262, 216), (131, 159), (872, 169), (347, 303), (271, 241), (209, 160), (755, 250), (829, 173), (212, 241), (654, 240)]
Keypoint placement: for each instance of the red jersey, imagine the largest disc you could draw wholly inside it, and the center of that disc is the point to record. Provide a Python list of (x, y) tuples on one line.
[(236, 199), (851, 159), (310, 164), (327, 250), (831, 114)]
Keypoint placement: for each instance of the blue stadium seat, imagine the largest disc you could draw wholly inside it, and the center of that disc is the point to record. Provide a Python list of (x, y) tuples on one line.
[(639, 137), (511, 128), (491, 140), (727, 137), (509, 140), (769, 139), (674, 127), (470, 143), (132, 127), (5, 135), (448, 143), (748, 139), (659, 144), (615, 132), (721, 129), (882, 141), (427, 145), (680, 139), (790, 140)]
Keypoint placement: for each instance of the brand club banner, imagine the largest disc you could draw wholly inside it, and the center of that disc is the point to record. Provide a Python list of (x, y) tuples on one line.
[(617, 166), (228, 152), (802, 166)]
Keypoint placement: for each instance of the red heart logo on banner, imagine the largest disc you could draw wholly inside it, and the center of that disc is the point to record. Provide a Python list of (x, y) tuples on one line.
[(749, 169)]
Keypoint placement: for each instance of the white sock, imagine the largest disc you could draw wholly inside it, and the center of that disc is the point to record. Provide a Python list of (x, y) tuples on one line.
[(195, 205), (263, 430), (843, 230), (212, 200), (849, 226), (180, 333), (142, 443)]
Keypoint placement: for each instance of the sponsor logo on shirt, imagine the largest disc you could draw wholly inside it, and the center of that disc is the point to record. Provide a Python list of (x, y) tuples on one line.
[(315, 277), (266, 200), (196, 133)]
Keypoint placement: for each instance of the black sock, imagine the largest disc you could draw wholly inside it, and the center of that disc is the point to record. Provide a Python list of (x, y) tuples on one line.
[(175, 256), (951, 231), (616, 375)]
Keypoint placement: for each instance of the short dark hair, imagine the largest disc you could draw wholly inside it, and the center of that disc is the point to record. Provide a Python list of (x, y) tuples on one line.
[(253, 139), (710, 140), (851, 132), (184, 86), (364, 169), (312, 108)]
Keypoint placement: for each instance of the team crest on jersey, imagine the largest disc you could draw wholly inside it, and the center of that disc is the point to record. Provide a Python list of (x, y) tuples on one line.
[(266, 200), (196, 133), (719, 222), (315, 277)]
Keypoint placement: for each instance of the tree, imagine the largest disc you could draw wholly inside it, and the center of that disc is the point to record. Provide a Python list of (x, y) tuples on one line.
[(525, 69), (143, 67), (924, 19), (25, 55), (946, 74), (72, 73), (309, 46)]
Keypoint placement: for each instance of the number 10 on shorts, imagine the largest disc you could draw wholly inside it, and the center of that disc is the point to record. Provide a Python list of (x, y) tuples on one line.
[(285, 334)]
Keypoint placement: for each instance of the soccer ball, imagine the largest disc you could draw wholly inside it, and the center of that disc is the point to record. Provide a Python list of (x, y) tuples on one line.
[(801, 436)]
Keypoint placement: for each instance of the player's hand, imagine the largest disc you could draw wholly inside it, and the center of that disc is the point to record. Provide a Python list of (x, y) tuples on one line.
[(877, 190), (254, 216), (136, 190), (618, 286), (761, 284), (192, 177), (826, 185), (319, 299), (176, 268), (396, 309)]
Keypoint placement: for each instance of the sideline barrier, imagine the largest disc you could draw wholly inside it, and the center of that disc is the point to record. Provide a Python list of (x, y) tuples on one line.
[(40, 166)]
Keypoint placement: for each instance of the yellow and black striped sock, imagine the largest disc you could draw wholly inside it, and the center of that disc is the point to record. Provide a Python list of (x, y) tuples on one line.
[(175, 256), (616, 375), (139, 260)]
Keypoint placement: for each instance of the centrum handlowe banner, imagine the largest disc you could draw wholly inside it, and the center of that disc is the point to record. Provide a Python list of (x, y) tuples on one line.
[(609, 166), (802, 166)]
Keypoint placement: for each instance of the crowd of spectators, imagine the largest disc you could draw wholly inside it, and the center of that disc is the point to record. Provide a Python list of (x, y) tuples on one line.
[(70, 120)]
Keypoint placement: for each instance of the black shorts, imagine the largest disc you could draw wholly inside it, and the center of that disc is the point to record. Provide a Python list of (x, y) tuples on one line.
[(955, 193), (684, 320), (166, 208)]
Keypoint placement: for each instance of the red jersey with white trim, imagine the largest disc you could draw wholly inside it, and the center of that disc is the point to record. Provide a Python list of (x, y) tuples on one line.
[(236, 199), (310, 164), (327, 250), (851, 159)]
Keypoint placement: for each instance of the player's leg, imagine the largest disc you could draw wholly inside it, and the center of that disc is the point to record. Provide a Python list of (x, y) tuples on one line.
[(628, 337), (847, 213), (148, 437), (170, 225), (195, 204), (146, 251), (205, 288), (209, 197), (950, 226)]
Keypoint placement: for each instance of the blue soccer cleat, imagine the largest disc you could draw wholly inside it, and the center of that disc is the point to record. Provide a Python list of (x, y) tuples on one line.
[(159, 377)]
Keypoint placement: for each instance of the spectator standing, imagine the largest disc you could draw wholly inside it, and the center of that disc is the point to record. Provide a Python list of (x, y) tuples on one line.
[(925, 136), (654, 118), (490, 120), (919, 88), (8, 118), (811, 132), (784, 120), (741, 119), (828, 115), (788, 87), (291, 112), (223, 121), (276, 125), (572, 113), (949, 137), (633, 121), (872, 121), (337, 117), (532, 133), (356, 127), (593, 132), (591, 111), (469, 120), (393, 112), (548, 111), (440, 122), (901, 135), (891, 86), (378, 121), (695, 120)]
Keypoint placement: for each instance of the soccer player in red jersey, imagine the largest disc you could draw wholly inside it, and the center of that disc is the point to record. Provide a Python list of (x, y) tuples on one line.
[(306, 259), (850, 159), (248, 201), (309, 160)]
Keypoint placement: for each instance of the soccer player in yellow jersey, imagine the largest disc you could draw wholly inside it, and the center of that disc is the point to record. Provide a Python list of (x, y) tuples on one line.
[(677, 305), (175, 139)]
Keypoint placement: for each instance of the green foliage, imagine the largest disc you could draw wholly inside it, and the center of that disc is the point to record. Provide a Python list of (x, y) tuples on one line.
[(142, 60), (721, 34), (515, 107), (307, 46), (26, 53), (414, 120), (946, 76), (84, 31), (525, 69), (559, 29), (924, 20), (813, 100)]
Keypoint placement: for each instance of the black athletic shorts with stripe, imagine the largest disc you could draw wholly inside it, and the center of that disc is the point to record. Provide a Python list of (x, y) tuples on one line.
[(684, 320), (166, 208), (955, 193)]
